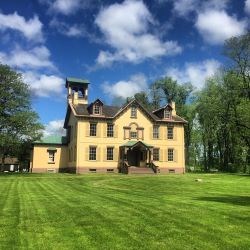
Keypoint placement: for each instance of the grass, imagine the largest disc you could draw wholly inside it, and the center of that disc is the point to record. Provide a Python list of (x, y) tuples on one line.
[(61, 211)]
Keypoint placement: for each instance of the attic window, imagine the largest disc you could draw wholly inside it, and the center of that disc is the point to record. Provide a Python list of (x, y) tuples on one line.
[(133, 112), (167, 114), (96, 109)]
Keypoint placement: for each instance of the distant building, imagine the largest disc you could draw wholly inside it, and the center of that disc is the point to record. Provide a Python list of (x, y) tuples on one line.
[(102, 138)]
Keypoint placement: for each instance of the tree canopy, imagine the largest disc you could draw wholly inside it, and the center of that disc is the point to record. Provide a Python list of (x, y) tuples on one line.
[(18, 122)]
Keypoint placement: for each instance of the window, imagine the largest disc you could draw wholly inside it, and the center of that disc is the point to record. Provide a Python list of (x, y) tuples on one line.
[(170, 154), (110, 153), (96, 109), (92, 153), (51, 156), (133, 112), (92, 129), (156, 132), (110, 130), (156, 154), (167, 114), (170, 133), (133, 134)]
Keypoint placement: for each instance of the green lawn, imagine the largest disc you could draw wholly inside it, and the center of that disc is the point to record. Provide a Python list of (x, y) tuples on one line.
[(62, 211)]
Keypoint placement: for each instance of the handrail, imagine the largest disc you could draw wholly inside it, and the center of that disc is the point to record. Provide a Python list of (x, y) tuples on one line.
[(154, 167)]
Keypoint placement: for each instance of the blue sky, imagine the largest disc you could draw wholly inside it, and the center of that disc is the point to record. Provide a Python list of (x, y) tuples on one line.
[(119, 46)]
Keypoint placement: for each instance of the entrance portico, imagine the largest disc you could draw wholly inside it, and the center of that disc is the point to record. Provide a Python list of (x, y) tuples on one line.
[(136, 154)]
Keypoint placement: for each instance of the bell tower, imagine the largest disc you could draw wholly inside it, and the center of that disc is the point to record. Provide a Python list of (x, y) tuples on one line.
[(77, 90)]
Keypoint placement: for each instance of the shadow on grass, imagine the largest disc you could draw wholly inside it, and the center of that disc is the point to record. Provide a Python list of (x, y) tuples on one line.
[(234, 200)]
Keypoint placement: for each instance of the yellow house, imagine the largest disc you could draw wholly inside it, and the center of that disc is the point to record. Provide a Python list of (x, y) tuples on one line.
[(102, 138)]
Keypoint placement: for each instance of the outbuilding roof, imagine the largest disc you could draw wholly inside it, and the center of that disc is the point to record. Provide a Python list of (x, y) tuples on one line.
[(53, 140)]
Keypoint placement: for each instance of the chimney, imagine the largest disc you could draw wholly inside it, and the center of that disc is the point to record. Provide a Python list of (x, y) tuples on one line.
[(172, 104)]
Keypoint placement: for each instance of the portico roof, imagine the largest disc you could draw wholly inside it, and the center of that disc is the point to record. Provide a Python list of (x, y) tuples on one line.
[(132, 144)]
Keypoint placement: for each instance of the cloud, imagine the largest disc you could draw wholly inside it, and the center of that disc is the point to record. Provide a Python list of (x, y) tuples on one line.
[(74, 30), (31, 29), (54, 128), (124, 89), (216, 26), (195, 73), (125, 28), (68, 7), (184, 8), (247, 7), (44, 85), (38, 57)]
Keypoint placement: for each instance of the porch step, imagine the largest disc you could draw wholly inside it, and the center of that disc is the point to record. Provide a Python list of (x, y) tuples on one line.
[(140, 170)]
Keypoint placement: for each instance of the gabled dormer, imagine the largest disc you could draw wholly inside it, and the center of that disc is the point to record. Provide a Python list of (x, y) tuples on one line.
[(166, 112), (96, 108)]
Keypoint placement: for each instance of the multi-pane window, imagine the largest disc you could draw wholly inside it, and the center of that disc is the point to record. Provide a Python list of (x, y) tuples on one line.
[(170, 154), (92, 153), (51, 156), (167, 114), (110, 130), (133, 112), (110, 153), (156, 132), (97, 109), (133, 134), (170, 133), (92, 129), (156, 154)]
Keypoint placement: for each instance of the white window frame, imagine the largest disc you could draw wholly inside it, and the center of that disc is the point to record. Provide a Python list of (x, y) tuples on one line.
[(96, 109), (110, 153), (170, 154), (51, 156), (170, 133), (92, 153), (156, 132), (133, 111), (110, 130), (156, 152), (92, 129), (167, 113)]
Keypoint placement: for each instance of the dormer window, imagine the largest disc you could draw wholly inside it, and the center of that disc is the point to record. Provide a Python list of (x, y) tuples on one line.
[(133, 112), (167, 114), (96, 109)]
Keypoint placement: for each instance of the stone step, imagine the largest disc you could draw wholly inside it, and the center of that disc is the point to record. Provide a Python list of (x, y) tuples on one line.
[(140, 170)]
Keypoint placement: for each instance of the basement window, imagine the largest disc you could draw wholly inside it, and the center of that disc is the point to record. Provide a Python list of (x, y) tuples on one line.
[(171, 171), (92, 170), (110, 170)]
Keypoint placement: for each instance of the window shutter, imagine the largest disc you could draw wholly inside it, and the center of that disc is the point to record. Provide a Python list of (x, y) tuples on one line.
[(86, 153), (161, 152), (87, 126), (115, 131), (98, 154), (161, 133), (104, 156), (98, 130), (175, 155), (175, 133), (115, 154), (104, 127)]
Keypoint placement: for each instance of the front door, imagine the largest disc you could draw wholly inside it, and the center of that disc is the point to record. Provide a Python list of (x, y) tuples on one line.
[(134, 157)]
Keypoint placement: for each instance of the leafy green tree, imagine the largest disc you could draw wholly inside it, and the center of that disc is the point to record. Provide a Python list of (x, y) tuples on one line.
[(18, 123)]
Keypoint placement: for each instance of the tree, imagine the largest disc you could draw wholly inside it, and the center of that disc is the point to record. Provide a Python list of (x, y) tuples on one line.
[(18, 122)]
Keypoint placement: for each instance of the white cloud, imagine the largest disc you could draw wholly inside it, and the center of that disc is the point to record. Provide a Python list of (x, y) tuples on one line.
[(31, 29), (184, 8), (216, 26), (124, 89), (54, 128), (195, 73), (126, 29), (44, 85), (38, 57), (67, 7), (247, 7), (74, 30)]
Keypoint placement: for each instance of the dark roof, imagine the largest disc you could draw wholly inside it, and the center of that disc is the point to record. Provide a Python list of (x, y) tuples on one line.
[(108, 111), (54, 140), (76, 81), (114, 111)]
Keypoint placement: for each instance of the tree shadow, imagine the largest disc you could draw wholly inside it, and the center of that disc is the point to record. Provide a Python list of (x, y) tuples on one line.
[(229, 199)]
